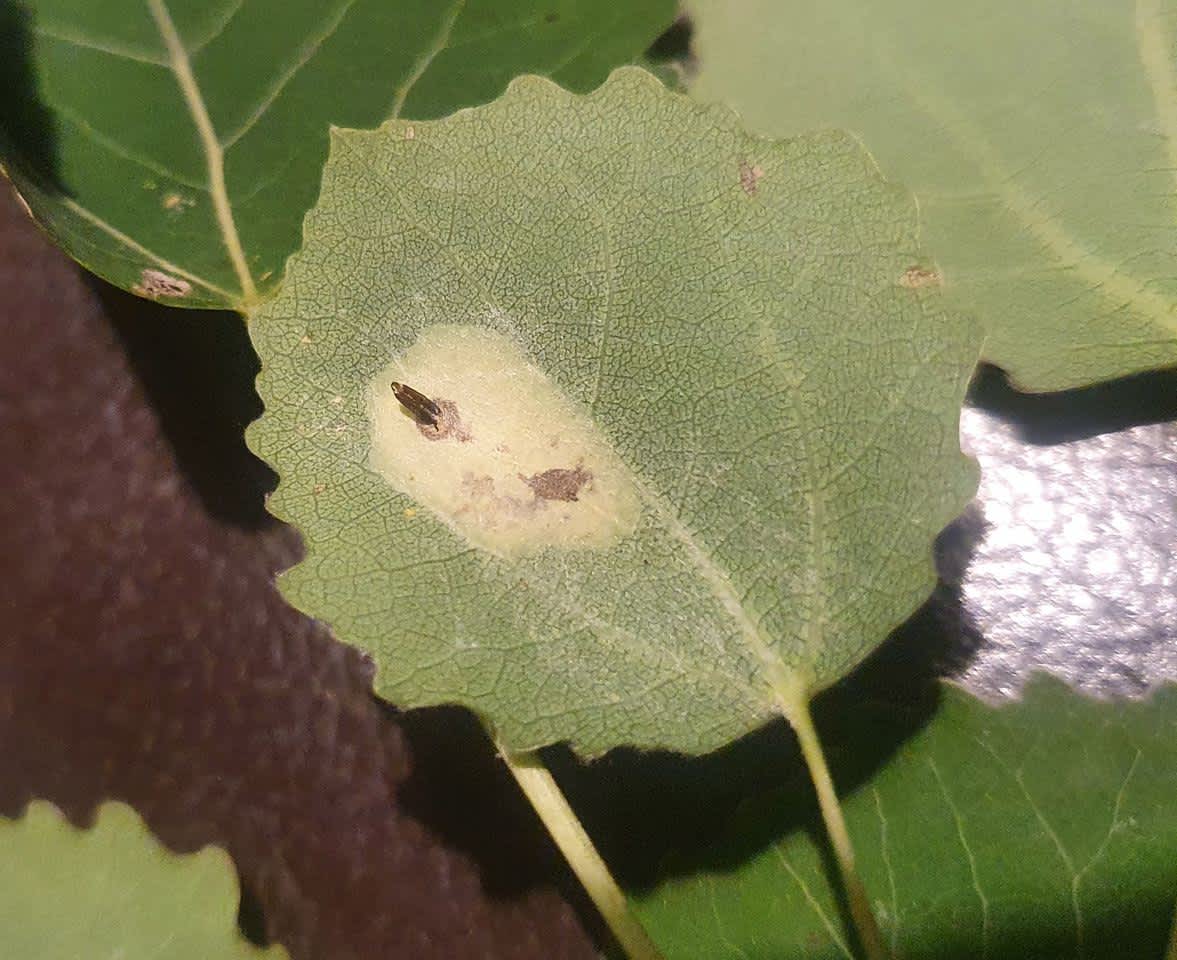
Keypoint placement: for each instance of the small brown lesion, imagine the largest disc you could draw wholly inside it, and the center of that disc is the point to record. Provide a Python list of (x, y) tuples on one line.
[(157, 285), (750, 174), (916, 277), (559, 483), (436, 418), (176, 202), (447, 426)]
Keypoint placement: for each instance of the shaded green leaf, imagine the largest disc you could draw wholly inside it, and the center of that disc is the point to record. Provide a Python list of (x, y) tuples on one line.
[(1040, 140), (101, 132), (1042, 828), (113, 891), (704, 426)]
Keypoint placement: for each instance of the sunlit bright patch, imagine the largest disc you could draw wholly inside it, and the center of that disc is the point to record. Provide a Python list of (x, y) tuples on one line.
[(479, 435)]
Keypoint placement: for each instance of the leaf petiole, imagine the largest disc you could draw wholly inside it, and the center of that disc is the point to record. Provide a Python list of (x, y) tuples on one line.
[(796, 711), (561, 822)]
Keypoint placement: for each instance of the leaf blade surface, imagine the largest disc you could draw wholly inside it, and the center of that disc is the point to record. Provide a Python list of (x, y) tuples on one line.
[(1040, 143), (101, 137), (1038, 828), (729, 315), (114, 891)]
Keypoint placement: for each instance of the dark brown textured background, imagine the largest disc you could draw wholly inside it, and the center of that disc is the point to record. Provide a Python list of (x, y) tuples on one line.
[(147, 657)]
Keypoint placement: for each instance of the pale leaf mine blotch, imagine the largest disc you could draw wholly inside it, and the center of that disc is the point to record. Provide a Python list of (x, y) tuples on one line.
[(478, 434)]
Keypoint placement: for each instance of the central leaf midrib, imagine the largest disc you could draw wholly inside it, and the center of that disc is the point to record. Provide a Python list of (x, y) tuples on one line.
[(694, 667), (759, 644), (790, 691)]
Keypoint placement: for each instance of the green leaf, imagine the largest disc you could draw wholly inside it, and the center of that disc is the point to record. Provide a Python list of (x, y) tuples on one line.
[(712, 341), (125, 123), (113, 891), (1040, 140), (1042, 828)]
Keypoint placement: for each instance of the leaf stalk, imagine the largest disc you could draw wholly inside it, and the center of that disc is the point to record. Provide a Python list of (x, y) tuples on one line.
[(798, 714), (541, 789)]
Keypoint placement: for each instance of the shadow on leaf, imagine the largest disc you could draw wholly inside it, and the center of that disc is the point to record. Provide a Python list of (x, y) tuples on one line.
[(198, 369), (1045, 418), (27, 133), (657, 814)]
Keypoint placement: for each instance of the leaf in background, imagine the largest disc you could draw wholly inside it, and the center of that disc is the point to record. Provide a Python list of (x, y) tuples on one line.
[(702, 424), (1040, 140), (113, 891), (1042, 828), (102, 123)]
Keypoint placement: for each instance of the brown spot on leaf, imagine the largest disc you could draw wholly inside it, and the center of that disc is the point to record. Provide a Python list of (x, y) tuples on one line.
[(156, 285), (559, 483), (750, 174), (915, 277), (481, 487), (449, 424), (176, 203)]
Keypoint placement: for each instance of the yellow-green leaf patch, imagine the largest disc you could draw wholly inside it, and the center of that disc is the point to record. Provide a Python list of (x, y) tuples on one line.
[(1040, 139)]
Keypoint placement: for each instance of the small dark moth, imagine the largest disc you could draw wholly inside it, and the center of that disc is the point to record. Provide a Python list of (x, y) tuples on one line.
[(419, 406)]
